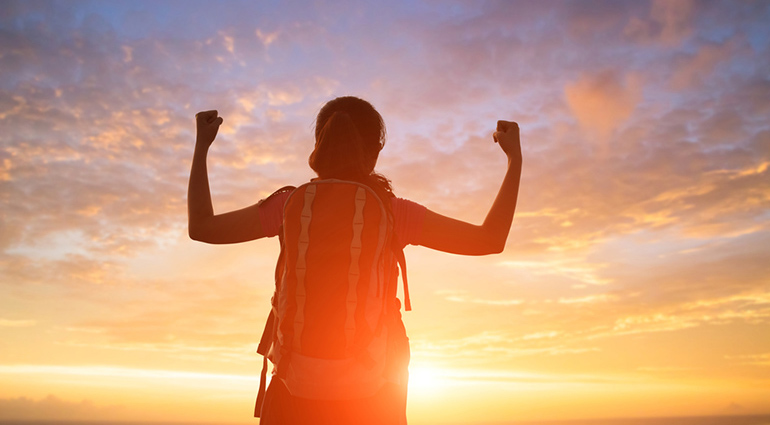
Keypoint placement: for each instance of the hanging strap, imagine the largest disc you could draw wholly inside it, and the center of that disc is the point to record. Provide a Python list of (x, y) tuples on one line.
[(268, 334), (262, 390), (401, 259)]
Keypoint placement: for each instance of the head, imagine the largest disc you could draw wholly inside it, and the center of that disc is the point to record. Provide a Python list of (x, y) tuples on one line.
[(349, 134)]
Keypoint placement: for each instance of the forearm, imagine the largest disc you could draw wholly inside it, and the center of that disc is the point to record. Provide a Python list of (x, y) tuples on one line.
[(199, 206), (498, 222)]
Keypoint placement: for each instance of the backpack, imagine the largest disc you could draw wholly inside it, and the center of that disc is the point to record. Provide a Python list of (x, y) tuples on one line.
[(334, 331)]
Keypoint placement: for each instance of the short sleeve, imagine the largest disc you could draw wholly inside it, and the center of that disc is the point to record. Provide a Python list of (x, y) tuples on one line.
[(271, 213), (409, 218)]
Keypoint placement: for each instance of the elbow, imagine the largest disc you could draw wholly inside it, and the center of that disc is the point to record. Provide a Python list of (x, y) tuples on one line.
[(487, 247), (199, 232), (496, 248), (195, 233), (495, 243)]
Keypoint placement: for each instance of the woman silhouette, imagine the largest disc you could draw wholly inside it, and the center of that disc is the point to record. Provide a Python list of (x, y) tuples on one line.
[(349, 135)]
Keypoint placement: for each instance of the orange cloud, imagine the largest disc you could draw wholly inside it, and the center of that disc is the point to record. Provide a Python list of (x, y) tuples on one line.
[(603, 101)]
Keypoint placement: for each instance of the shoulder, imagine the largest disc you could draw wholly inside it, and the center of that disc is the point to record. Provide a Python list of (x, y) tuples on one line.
[(271, 210), (409, 217), (279, 196), (401, 206)]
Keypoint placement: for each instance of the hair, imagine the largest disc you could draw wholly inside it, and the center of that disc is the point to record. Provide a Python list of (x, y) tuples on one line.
[(349, 135)]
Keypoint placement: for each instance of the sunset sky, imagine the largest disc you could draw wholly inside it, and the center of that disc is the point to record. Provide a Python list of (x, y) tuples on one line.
[(635, 281)]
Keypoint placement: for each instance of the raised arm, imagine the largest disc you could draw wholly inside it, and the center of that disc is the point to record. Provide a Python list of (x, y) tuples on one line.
[(458, 237), (203, 225)]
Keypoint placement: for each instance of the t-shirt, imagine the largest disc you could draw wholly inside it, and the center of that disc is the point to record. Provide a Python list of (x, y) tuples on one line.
[(408, 217)]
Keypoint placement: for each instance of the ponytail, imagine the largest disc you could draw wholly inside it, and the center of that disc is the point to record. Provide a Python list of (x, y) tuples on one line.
[(349, 136), (339, 151)]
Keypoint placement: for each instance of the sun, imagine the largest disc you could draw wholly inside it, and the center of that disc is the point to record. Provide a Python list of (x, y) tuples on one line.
[(428, 380)]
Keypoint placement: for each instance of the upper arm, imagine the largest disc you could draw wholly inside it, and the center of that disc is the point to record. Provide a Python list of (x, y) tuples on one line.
[(232, 227), (457, 237)]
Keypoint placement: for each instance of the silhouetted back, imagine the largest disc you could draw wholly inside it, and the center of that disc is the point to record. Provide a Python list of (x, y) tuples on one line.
[(335, 302)]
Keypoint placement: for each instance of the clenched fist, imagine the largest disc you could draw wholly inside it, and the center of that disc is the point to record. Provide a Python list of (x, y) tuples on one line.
[(507, 136), (207, 126)]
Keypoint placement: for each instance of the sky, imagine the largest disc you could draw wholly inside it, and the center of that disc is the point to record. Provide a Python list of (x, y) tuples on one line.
[(634, 281)]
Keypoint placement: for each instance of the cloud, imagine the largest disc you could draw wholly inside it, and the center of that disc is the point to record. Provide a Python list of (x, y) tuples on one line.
[(694, 70), (603, 101), (266, 38), (16, 323), (467, 349), (117, 158), (461, 297), (540, 335), (710, 204), (668, 23), (574, 271), (72, 271), (752, 308), (55, 408), (751, 359), (126, 126), (586, 299)]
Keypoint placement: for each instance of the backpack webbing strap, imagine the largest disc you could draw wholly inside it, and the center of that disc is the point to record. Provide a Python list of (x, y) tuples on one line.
[(354, 271), (301, 266)]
